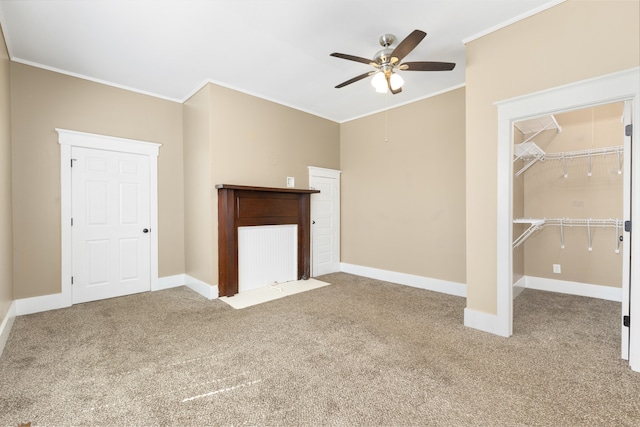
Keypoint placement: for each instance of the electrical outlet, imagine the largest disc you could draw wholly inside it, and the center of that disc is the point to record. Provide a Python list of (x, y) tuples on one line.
[(291, 182), (557, 269)]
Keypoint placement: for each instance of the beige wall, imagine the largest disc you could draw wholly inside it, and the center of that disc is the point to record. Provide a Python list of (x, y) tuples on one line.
[(197, 187), (547, 194), (251, 142), (403, 200), (42, 101), (572, 41), (6, 241)]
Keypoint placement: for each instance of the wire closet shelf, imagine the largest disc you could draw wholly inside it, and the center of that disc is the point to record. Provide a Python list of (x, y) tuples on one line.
[(536, 224), (530, 152)]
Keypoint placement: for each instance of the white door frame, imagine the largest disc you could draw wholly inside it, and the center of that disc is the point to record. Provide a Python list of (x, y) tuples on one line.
[(333, 174), (621, 86), (68, 139)]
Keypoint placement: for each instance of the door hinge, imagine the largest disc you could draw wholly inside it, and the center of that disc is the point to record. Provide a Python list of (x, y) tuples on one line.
[(72, 222), (72, 280), (628, 130), (627, 226), (626, 321)]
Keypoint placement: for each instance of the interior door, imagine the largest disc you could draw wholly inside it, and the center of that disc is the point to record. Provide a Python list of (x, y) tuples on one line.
[(626, 247), (110, 224), (325, 221)]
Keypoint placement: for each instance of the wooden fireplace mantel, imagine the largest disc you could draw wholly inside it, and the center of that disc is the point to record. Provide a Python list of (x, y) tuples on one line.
[(241, 206)]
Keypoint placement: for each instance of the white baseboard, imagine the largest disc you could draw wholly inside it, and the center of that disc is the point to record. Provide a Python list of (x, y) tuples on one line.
[(484, 322), (519, 286), (41, 303), (437, 285), (206, 290), (5, 326), (574, 288), (169, 282), (60, 300)]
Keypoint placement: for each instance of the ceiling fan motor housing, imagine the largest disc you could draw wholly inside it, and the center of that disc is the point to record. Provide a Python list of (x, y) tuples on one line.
[(383, 56)]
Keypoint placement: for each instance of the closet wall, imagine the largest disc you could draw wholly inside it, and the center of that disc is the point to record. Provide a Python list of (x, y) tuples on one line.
[(547, 193)]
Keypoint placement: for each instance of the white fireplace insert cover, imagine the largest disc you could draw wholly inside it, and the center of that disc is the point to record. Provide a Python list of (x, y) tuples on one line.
[(267, 255)]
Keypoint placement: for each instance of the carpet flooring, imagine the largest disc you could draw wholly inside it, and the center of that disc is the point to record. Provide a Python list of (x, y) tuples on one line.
[(360, 352)]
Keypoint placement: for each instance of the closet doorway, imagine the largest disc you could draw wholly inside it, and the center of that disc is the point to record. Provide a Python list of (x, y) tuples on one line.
[(569, 205), (622, 87)]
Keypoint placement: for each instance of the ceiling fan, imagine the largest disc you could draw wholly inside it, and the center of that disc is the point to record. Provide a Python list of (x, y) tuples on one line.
[(388, 61)]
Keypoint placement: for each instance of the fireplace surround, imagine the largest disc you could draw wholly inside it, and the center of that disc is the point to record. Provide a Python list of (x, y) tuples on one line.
[(242, 206)]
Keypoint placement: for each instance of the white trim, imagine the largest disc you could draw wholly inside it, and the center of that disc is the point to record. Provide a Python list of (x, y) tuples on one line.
[(512, 20), (68, 139), (168, 282), (519, 286), (104, 142), (91, 79), (5, 326), (254, 94), (627, 119), (608, 293), (327, 173), (60, 300), (427, 283), (549, 101), (221, 84), (66, 270), (315, 113), (483, 321), (206, 290), (615, 87), (43, 303)]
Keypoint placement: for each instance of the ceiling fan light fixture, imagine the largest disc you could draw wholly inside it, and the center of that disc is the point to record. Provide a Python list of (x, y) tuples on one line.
[(396, 81), (379, 82)]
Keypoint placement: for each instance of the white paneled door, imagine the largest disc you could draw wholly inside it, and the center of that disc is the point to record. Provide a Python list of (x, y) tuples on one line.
[(110, 230), (325, 221)]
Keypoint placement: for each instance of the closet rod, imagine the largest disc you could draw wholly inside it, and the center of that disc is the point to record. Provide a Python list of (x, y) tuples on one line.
[(585, 153), (570, 155)]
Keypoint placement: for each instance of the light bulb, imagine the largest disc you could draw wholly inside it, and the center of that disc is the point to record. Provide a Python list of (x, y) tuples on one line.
[(396, 81), (379, 82)]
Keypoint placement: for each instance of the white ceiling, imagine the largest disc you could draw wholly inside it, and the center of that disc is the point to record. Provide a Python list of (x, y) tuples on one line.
[(274, 49)]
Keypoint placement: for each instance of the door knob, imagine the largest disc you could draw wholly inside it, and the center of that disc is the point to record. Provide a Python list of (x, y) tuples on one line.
[(146, 230)]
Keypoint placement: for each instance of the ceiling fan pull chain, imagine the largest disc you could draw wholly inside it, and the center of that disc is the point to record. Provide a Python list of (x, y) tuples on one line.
[(386, 117)]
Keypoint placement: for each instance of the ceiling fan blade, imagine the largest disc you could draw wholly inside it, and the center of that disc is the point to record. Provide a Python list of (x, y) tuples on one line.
[(388, 77), (407, 45), (427, 66), (355, 79), (354, 58)]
